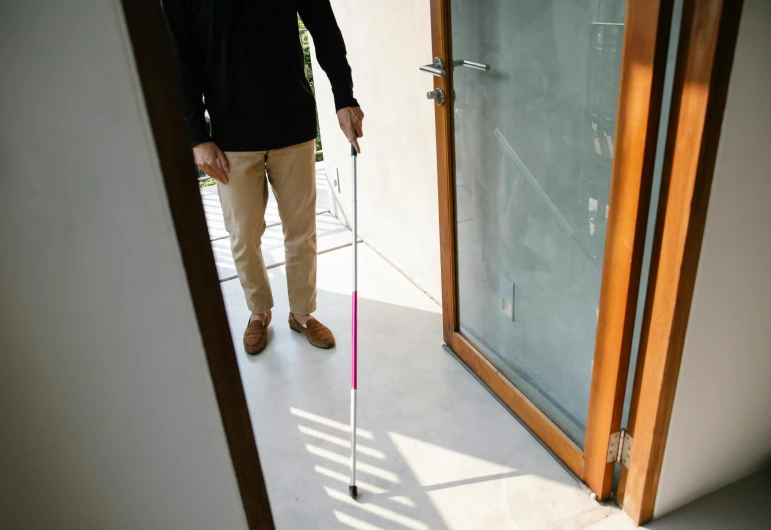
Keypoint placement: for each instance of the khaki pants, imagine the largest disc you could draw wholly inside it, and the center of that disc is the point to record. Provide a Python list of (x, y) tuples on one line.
[(291, 172)]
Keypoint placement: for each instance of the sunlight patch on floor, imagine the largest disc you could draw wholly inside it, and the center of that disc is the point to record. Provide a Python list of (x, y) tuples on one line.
[(346, 479), (340, 442), (433, 465), (374, 509), (353, 522), (344, 427), (404, 501), (361, 467)]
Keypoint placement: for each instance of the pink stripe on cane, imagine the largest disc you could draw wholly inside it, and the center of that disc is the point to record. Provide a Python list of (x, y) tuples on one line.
[(354, 297)]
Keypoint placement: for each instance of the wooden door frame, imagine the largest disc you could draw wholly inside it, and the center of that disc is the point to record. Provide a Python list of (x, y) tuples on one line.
[(705, 55), (159, 86), (642, 79)]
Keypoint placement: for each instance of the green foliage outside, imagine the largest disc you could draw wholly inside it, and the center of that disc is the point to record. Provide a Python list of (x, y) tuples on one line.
[(309, 75)]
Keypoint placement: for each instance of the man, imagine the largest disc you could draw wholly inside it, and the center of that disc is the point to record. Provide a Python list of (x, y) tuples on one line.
[(245, 59)]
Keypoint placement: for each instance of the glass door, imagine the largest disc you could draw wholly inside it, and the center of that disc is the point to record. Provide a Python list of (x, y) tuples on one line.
[(533, 161), (547, 117)]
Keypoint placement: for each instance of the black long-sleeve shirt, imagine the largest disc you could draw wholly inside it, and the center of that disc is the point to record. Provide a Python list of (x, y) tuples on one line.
[(245, 58)]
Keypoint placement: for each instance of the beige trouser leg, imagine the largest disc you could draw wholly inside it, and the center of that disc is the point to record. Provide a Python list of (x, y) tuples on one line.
[(292, 175), (244, 200)]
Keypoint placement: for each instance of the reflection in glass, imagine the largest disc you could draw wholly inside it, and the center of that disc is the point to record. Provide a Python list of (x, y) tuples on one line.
[(533, 145)]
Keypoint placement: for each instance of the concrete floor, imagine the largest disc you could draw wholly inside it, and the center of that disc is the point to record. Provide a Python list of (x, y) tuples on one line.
[(436, 450)]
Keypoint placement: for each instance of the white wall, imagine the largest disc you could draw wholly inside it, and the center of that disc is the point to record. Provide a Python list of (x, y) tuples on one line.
[(108, 414), (721, 422), (398, 198)]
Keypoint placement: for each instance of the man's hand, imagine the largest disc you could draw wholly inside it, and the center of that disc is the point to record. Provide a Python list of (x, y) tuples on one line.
[(212, 161), (350, 119)]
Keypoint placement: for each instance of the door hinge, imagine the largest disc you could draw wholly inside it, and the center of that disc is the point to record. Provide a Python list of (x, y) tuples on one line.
[(620, 448)]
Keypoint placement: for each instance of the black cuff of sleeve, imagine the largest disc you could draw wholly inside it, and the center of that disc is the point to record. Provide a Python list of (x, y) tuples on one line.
[(198, 134), (344, 98)]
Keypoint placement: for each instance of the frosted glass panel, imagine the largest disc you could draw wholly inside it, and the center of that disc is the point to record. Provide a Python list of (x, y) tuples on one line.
[(533, 152)]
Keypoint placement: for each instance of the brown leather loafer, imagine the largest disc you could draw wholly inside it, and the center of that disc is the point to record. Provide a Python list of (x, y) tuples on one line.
[(316, 332), (256, 335)]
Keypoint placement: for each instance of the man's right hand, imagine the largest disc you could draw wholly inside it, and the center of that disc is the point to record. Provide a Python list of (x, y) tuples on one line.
[(212, 161)]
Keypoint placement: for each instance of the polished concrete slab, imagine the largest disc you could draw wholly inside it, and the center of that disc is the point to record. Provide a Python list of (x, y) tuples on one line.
[(436, 449)]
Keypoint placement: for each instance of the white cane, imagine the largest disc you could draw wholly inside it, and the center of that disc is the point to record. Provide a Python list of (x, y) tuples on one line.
[(352, 490)]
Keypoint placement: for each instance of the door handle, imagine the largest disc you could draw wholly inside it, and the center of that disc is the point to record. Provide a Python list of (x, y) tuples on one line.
[(436, 68), (472, 64), (437, 95)]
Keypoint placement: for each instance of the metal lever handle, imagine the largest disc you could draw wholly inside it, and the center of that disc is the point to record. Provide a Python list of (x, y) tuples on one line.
[(472, 64), (436, 68), (437, 95)]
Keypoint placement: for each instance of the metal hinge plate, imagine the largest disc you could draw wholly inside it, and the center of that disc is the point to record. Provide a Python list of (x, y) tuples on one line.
[(626, 449), (620, 448), (615, 438)]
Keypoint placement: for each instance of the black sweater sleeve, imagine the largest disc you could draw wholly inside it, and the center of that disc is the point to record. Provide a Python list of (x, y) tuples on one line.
[(330, 48), (178, 15)]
